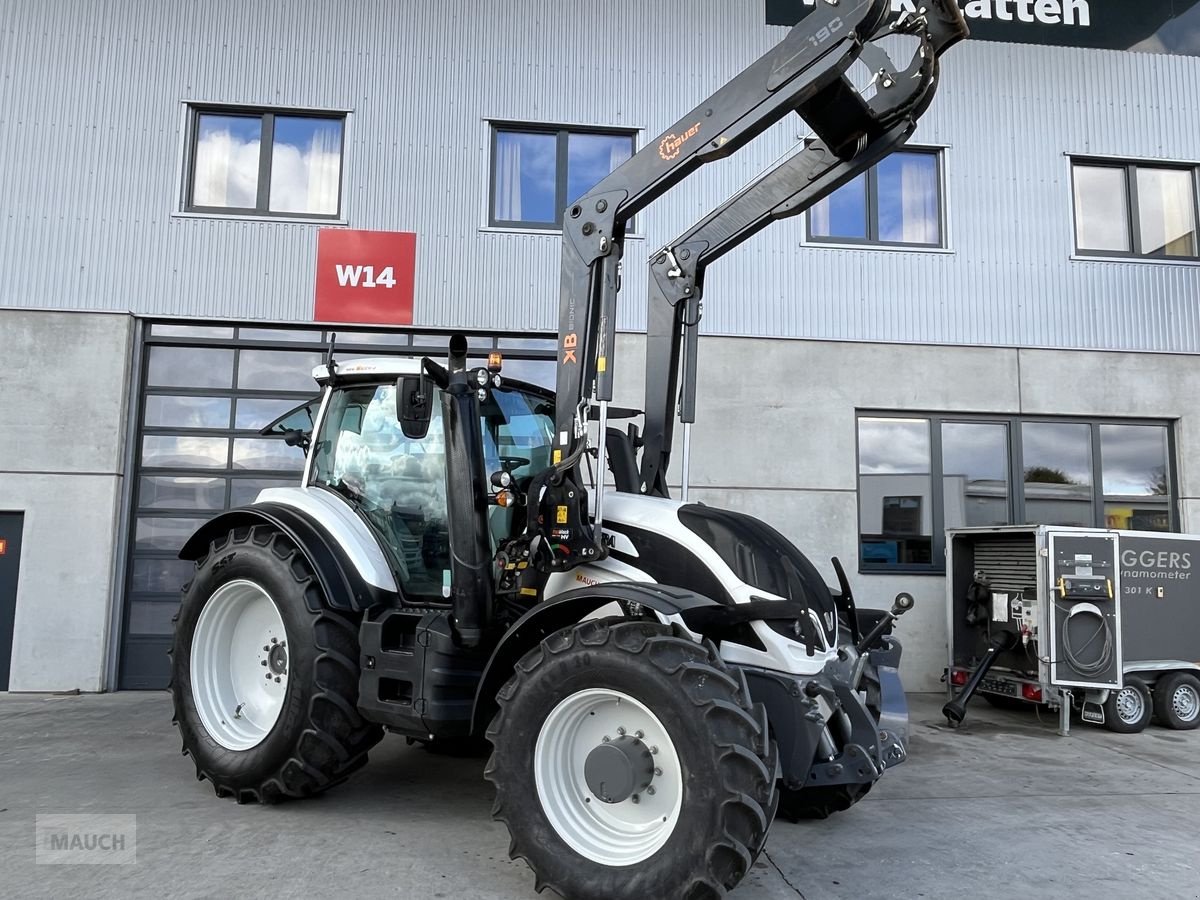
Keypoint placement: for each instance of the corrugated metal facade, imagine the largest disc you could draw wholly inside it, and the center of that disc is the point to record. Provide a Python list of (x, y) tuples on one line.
[(91, 135)]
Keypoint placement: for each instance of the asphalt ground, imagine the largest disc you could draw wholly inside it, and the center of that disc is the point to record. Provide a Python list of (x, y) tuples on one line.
[(1002, 807)]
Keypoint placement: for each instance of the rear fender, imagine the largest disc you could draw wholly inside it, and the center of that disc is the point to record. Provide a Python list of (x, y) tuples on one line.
[(563, 611), (341, 582)]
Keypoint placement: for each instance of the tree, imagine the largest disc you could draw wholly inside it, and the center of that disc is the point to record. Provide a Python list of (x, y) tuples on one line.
[(1046, 475), (1159, 485)]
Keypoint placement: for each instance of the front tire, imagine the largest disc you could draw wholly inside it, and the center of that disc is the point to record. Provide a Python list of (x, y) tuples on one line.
[(255, 610), (685, 808)]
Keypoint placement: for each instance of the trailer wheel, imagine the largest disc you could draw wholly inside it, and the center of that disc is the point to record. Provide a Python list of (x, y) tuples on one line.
[(820, 802), (629, 762), (1177, 701), (1128, 710), (264, 677)]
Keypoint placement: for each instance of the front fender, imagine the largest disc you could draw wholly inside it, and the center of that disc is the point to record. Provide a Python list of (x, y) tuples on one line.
[(563, 611), (342, 584)]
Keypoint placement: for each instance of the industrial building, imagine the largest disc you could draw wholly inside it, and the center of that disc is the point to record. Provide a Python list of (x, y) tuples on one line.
[(998, 325)]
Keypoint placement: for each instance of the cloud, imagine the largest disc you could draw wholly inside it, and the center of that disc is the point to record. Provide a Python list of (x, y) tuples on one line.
[(307, 180), (226, 171), (304, 179), (893, 446)]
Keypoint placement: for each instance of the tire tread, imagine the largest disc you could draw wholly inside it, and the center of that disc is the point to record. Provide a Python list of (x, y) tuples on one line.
[(747, 780), (335, 738)]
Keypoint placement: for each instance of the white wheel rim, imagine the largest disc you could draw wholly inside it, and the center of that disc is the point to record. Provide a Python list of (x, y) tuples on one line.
[(239, 665), (612, 834), (1130, 704), (1185, 703)]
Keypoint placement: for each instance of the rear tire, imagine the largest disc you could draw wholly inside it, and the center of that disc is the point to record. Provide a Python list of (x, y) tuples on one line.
[(820, 802), (1128, 710), (696, 830), (1177, 701), (313, 737)]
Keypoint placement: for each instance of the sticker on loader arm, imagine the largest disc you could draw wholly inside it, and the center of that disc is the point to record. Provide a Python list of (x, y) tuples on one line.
[(562, 517)]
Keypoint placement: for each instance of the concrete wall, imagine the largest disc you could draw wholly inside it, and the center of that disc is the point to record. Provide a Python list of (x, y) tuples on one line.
[(63, 411), (776, 435)]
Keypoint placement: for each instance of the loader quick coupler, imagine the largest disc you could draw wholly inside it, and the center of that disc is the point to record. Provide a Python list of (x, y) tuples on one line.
[(564, 524)]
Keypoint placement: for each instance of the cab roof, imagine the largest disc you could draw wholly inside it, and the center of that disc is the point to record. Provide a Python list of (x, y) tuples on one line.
[(379, 368)]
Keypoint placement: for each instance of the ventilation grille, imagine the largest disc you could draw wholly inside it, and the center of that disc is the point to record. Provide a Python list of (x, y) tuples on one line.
[(1010, 561)]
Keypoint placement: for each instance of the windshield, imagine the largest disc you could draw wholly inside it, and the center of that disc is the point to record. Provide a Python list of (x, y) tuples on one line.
[(520, 425), (399, 484)]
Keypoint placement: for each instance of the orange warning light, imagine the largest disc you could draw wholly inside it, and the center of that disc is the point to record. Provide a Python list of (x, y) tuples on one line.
[(495, 361), (3, 546)]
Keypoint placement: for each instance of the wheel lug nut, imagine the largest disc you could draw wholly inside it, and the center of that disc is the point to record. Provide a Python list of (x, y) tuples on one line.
[(274, 640), (262, 662), (266, 646), (268, 676), (654, 750), (650, 790), (277, 679), (636, 799), (639, 734), (621, 731), (657, 771), (607, 739)]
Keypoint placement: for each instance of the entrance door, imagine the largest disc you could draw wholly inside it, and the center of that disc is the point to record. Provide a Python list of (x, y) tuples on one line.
[(10, 558)]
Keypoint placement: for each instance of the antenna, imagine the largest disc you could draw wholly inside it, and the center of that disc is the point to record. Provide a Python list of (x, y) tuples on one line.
[(330, 362)]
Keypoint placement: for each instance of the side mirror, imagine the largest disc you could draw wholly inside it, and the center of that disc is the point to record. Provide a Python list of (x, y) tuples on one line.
[(414, 406)]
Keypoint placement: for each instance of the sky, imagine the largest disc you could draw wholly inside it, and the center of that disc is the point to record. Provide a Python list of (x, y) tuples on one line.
[(305, 164), (1134, 457)]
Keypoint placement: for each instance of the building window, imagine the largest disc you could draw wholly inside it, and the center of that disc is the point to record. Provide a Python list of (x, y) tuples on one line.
[(538, 171), (898, 202), (1123, 209), (264, 163), (920, 475)]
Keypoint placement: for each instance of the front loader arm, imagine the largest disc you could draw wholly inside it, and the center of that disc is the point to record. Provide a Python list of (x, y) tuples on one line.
[(676, 284), (803, 74)]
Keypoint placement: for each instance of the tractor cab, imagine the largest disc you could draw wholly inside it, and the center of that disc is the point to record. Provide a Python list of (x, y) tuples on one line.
[(392, 472)]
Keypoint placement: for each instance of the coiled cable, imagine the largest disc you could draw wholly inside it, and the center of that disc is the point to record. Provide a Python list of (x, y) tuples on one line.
[(1102, 662)]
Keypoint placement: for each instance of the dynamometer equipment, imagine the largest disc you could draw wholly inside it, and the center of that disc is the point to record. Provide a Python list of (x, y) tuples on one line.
[(1102, 622)]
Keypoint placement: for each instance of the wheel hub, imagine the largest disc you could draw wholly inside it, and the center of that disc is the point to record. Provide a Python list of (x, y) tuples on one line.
[(1185, 703), (1129, 704), (620, 769), (277, 659)]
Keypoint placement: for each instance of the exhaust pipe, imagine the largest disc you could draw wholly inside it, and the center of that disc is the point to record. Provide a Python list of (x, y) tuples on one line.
[(466, 503), (956, 710)]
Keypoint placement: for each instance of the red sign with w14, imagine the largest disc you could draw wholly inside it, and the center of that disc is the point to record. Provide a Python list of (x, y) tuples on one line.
[(365, 277)]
